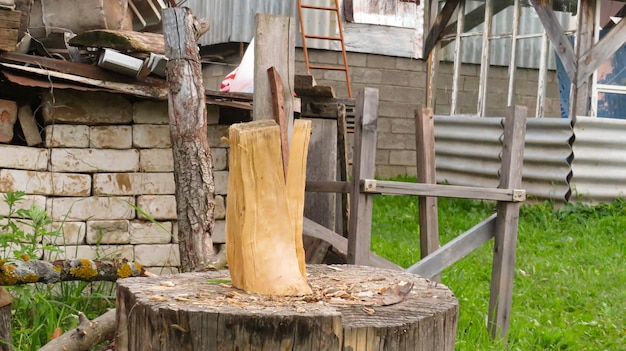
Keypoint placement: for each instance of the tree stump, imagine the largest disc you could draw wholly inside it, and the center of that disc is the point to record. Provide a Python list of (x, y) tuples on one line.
[(351, 308)]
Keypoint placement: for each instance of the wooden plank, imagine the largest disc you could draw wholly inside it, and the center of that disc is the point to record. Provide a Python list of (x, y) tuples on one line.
[(278, 102), (510, 96), (439, 190), (342, 160), (558, 39), (318, 231), (437, 28), (593, 58), (455, 249), (305, 85), (506, 227), (274, 45), (363, 167), (580, 104), (542, 82), (24, 7), (321, 166), (314, 109), (484, 60), (427, 205), (29, 126), (456, 68), (122, 40)]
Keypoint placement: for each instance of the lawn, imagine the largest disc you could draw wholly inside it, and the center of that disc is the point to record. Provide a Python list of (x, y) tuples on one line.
[(570, 275)]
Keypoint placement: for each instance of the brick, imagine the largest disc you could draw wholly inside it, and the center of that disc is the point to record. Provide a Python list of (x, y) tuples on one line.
[(383, 171), (357, 59), (418, 80), (396, 109), (94, 160), (156, 160), (380, 61), (70, 233), (93, 252), (150, 112), (221, 182), (403, 126), (134, 184), (215, 133), (219, 232), (157, 255), (158, 207), (402, 158), (220, 207), (324, 56), (92, 208), (220, 158), (23, 157), (8, 117), (147, 232), (91, 108), (382, 157), (395, 77), (407, 64), (108, 232), (45, 183), (66, 135), (26, 203), (213, 113), (391, 141), (383, 125), (366, 75), (147, 136), (111, 137), (333, 76), (25, 225)]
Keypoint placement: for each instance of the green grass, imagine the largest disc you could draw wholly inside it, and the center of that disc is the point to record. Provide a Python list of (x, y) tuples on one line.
[(570, 275)]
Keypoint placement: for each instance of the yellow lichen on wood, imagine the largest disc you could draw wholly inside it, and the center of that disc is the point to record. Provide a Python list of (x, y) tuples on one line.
[(8, 276), (85, 270), (30, 278)]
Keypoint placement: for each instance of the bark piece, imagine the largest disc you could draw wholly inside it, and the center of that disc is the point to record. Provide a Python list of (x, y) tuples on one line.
[(262, 208), (29, 126), (122, 40)]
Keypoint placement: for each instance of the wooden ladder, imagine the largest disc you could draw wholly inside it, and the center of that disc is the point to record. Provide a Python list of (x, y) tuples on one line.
[(339, 38)]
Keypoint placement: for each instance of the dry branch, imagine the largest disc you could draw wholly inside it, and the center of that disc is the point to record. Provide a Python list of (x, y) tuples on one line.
[(35, 271), (86, 335)]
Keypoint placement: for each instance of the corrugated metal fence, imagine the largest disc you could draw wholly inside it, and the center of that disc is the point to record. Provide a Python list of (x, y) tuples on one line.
[(468, 153)]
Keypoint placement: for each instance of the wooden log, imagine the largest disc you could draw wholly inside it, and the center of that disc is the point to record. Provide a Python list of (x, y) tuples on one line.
[(86, 335), (8, 117), (6, 341), (122, 40), (350, 308), (263, 210), (195, 188), (35, 271), (9, 29)]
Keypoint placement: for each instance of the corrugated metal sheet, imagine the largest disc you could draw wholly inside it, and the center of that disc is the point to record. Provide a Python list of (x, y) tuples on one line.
[(233, 20), (599, 166), (468, 153)]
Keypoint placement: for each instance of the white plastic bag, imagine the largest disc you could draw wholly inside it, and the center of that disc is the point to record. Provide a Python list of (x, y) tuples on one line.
[(241, 80)]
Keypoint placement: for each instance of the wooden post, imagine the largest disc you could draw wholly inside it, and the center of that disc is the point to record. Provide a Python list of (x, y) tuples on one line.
[(274, 46), (426, 173), (195, 198), (585, 38), (503, 269), (363, 167)]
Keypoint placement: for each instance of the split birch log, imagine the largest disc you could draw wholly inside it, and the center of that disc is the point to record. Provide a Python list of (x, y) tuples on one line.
[(35, 271), (264, 213), (86, 335)]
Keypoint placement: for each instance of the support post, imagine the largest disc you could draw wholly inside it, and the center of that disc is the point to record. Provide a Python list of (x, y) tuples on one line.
[(195, 190), (363, 167), (426, 173), (503, 269), (274, 46)]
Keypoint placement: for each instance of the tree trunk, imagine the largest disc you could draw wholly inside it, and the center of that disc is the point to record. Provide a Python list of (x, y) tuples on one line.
[(264, 212), (6, 341), (86, 335), (195, 190), (351, 308)]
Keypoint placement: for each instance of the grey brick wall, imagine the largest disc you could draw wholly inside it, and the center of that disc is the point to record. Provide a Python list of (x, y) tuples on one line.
[(402, 82)]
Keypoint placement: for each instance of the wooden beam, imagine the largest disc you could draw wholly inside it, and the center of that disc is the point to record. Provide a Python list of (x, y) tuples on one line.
[(580, 95), (593, 58), (455, 249), (122, 40), (318, 231), (363, 167), (427, 205), (438, 27), (278, 103), (503, 270), (274, 45), (439, 190), (557, 37), (475, 18)]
